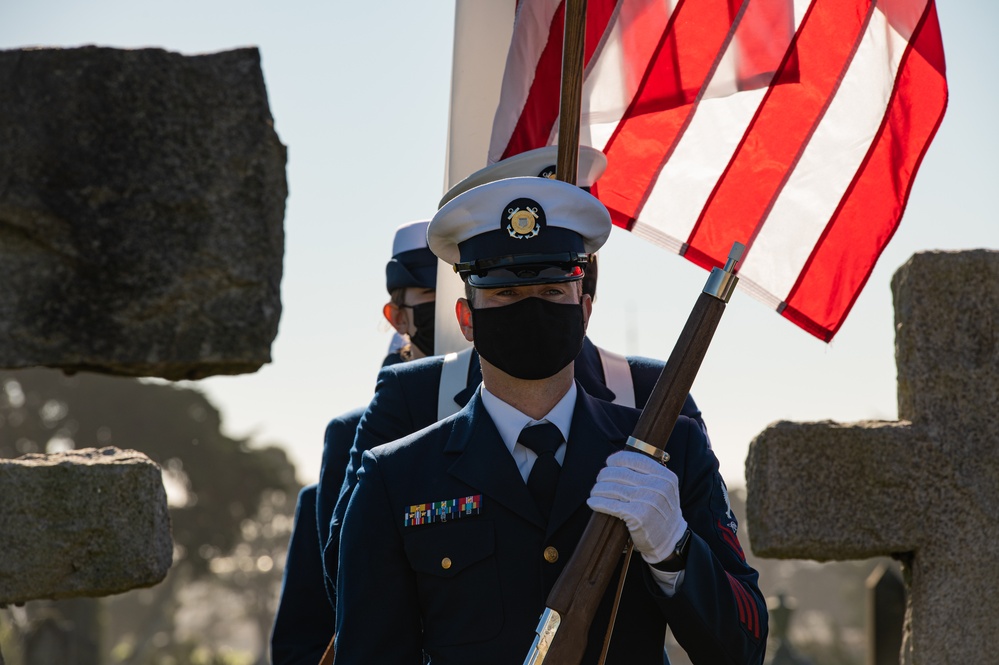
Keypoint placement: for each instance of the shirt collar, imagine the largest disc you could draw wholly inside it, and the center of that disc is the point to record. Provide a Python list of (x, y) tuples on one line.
[(509, 421)]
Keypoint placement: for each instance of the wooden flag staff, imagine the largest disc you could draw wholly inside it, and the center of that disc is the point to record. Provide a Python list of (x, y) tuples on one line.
[(571, 97)]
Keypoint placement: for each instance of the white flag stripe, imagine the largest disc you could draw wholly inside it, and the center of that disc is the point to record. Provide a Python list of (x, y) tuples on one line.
[(724, 80), (613, 75), (669, 243), (690, 175), (530, 36), (598, 135), (705, 150), (605, 93), (828, 163), (758, 293), (656, 237)]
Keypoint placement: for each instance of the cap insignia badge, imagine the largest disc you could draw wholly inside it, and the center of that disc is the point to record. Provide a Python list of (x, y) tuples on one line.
[(548, 172), (523, 222)]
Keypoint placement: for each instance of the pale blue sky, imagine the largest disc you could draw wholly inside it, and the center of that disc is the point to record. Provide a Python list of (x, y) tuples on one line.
[(359, 93)]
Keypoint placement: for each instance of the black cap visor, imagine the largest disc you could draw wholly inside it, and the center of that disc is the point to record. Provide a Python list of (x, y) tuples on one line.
[(523, 270)]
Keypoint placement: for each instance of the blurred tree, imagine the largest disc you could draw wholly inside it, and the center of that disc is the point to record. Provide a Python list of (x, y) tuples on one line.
[(224, 494)]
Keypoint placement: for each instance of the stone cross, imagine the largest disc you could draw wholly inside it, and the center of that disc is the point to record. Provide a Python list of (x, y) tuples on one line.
[(924, 489)]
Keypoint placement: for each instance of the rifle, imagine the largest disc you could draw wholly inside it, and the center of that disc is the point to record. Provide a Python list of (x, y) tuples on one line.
[(327, 658), (565, 623)]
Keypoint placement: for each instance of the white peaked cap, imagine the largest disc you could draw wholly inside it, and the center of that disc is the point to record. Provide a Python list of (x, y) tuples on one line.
[(557, 206), (591, 166), (410, 236)]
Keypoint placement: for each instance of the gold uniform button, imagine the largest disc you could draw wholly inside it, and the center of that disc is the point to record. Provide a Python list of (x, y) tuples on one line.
[(551, 554), (445, 563)]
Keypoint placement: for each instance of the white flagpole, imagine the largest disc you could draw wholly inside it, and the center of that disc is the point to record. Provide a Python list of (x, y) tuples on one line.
[(482, 33)]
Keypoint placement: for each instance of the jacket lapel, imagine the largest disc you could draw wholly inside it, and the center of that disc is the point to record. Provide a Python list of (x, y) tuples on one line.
[(484, 462)]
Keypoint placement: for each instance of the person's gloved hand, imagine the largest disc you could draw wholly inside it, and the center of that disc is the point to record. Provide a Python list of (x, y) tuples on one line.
[(644, 494)]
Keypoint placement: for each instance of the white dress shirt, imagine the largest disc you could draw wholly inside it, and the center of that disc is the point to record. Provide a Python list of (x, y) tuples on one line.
[(510, 422)]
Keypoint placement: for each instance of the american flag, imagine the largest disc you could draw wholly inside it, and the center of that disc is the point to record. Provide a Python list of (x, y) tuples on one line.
[(793, 127)]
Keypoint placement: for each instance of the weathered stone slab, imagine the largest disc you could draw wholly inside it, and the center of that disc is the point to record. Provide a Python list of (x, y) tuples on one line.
[(923, 489), (89, 522), (795, 511), (142, 199)]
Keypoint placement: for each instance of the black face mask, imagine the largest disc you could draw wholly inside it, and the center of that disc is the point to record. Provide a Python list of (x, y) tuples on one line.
[(423, 321), (530, 339)]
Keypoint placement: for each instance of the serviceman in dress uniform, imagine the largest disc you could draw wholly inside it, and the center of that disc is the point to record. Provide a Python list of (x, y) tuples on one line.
[(412, 396), (455, 535), (305, 617), (411, 281)]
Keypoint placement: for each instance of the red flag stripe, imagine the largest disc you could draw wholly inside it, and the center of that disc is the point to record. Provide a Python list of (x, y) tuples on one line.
[(784, 123), (647, 134), (810, 195), (537, 117), (799, 218), (540, 110), (532, 35), (844, 258)]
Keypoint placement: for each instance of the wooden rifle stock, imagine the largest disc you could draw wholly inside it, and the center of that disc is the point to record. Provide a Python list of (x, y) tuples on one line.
[(329, 654), (573, 601)]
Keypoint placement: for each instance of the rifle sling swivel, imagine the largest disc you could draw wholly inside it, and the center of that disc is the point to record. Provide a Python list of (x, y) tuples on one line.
[(658, 454)]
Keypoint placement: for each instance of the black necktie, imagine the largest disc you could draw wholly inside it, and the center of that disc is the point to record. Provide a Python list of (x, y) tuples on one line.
[(543, 439)]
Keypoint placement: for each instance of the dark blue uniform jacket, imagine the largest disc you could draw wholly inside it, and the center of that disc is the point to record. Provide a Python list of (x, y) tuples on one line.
[(336, 458), (304, 619), (471, 590), (337, 441), (406, 401)]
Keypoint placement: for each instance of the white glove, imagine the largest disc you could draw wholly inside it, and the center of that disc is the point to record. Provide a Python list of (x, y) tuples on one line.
[(644, 494)]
